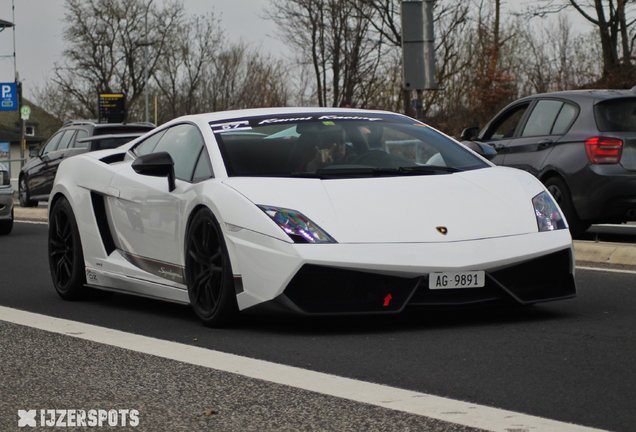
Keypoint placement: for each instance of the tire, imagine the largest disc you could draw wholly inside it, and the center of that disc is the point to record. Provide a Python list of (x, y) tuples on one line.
[(66, 258), (208, 272), (23, 193), (6, 225), (562, 196)]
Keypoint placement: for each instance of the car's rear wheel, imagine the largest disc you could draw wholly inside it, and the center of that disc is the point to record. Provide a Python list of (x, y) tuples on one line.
[(66, 258), (23, 193), (6, 225), (562, 196), (208, 272)]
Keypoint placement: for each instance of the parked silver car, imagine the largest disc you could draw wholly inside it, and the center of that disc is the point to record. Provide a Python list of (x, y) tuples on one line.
[(6, 202)]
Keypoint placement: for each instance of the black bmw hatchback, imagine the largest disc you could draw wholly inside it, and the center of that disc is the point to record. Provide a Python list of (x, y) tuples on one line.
[(580, 144)]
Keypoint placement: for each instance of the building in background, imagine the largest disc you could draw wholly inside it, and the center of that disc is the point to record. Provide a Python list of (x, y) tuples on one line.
[(39, 127)]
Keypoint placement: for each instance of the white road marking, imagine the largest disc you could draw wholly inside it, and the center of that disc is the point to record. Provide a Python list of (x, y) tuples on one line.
[(31, 222), (454, 411)]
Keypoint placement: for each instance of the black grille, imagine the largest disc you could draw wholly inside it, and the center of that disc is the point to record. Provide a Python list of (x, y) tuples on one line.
[(424, 296), (317, 289), (541, 279)]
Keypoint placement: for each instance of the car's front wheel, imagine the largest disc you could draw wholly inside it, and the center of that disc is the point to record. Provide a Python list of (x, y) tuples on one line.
[(562, 196), (23, 193), (208, 271), (6, 225), (66, 258)]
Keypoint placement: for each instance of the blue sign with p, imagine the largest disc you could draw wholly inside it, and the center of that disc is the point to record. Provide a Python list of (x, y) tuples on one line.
[(8, 97)]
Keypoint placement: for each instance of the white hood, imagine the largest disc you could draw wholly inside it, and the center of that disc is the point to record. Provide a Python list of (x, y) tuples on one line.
[(485, 203)]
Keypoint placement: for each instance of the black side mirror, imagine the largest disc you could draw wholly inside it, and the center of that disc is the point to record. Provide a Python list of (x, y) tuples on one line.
[(482, 150), (470, 133), (156, 165)]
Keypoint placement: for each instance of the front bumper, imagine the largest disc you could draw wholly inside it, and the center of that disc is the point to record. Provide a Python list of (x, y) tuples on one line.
[(316, 290), (357, 278), (6, 202)]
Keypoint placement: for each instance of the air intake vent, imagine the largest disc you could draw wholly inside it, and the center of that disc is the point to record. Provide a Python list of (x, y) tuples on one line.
[(119, 157)]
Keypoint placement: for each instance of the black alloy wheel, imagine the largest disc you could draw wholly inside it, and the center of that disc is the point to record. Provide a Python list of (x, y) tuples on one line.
[(6, 225), (208, 272), (23, 193), (66, 258), (562, 196)]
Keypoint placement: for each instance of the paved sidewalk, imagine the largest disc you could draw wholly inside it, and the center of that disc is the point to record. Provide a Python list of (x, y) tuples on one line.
[(592, 253), (30, 214)]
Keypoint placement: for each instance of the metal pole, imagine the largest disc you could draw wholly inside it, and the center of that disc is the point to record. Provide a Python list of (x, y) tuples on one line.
[(146, 43), (18, 86), (146, 78), (429, 45)]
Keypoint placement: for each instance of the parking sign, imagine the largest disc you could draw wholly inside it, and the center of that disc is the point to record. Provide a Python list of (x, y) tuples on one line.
[(8, 97)]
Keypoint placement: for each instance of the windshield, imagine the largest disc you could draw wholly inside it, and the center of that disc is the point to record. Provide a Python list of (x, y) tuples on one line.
[(337, 145)]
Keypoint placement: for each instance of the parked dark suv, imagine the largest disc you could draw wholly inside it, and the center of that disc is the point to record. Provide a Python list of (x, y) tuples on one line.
[(37, 175), (580, 144)]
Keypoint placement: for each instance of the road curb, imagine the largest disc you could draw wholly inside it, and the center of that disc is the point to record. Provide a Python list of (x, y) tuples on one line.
[(616, 254), (30, 214)]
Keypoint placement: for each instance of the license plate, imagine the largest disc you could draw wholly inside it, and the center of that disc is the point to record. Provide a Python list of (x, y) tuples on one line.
[(471, 279)]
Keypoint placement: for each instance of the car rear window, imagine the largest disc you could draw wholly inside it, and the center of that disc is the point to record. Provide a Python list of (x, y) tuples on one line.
[(616, 115)]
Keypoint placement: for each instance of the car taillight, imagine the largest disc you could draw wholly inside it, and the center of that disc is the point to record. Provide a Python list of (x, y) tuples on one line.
[(602, 150)]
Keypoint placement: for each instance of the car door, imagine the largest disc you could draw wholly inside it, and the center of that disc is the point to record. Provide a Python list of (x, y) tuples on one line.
[(36, 171), (55, 159), (146, 216), (548, 120), (503, 128)]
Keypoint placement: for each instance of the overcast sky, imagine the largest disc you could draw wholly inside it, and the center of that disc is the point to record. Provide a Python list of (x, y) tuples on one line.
[(39, 27)]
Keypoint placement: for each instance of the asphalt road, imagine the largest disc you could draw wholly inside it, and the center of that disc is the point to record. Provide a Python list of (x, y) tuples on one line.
[(570, 361)]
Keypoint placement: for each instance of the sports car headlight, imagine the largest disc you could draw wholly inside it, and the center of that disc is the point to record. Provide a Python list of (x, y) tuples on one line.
[(547, 212), (297, 226)]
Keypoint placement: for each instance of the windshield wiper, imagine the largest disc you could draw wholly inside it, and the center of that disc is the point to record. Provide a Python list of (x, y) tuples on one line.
[(382, 172), (428, 169)]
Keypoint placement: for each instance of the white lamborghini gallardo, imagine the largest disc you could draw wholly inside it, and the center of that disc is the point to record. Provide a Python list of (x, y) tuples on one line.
[(308, 211)]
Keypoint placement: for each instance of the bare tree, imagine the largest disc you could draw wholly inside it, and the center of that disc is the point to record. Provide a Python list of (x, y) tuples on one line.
[(104, 54), (335, 40), (183, 70), (614, 22)]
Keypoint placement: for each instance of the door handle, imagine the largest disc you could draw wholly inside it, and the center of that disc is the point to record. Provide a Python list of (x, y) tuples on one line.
[(545, 144)]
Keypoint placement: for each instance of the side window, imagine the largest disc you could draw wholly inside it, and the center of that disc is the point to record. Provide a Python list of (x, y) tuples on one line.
[(81, 134), (149, 144), (565, 117), (184, 143), (507, 124), (203, 170), (66, 139), (542, 118), (51, 145)]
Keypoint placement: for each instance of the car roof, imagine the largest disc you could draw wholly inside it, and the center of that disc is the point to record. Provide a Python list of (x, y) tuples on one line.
[(130, 135), (256, 112), (96, 124), (582, 95)]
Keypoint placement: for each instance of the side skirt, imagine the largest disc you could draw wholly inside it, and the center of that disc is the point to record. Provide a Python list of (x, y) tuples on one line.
[(106, 281)]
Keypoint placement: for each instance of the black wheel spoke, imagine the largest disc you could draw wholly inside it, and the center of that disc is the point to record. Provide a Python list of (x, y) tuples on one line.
[(206, 269), (65, 252)]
